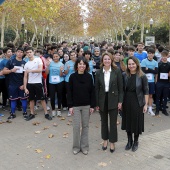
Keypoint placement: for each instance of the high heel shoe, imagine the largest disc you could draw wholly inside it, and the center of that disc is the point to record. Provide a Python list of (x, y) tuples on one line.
[(104, 147), (112, 150)]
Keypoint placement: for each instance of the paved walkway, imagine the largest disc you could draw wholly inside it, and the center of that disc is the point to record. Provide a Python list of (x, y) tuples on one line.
[(20, 141)]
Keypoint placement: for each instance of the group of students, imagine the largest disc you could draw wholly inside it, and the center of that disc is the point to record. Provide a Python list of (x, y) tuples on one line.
[(83, 77)]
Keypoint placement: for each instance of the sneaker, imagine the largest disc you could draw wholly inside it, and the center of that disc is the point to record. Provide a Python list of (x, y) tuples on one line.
[(151, 113), (58, 113), (35, 108), (64, 108), (25, 115), (4, 108), (69, 114), (75, 152), (85, 152), (31, 116), (165, 113), (12, 116), (48, 117), (48, 108), (53, 113)]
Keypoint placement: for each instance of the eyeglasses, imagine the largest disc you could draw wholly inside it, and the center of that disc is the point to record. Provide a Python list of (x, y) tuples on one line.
[(96, 51)]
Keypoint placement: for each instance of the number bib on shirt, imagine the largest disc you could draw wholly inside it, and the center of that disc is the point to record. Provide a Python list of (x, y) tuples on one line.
[(55, 79), (164, 76), (149, 76)]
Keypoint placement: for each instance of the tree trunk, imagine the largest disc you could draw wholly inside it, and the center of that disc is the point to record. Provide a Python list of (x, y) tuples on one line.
[(142, 32), (17, 37), (33, 38), (128, 40), (3, 28)]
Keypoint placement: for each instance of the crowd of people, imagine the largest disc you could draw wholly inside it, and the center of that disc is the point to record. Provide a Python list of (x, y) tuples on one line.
[(80, 78)]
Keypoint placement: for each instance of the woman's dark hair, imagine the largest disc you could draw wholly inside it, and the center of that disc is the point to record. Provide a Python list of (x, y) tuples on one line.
[(78, 49), (79, 59), (139, 72), (87, 52)]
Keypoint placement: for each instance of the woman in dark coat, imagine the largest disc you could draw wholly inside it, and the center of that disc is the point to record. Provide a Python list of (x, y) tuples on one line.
[(109, 98), (135, 102)]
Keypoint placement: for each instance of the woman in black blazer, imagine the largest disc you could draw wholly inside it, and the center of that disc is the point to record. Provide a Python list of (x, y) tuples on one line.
[(109, 98), (135, 102)]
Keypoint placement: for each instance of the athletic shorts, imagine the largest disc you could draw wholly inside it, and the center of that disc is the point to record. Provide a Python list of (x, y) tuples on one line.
[(15, 93), (151, 88), (36, 91)]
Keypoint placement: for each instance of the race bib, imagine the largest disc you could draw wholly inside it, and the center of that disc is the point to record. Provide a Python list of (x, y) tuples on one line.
[(55, 79), (164, 76), (19, 69), (149, 76)]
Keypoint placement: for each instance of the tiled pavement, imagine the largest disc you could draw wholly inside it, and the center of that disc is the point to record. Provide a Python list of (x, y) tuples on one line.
[(18, 144)]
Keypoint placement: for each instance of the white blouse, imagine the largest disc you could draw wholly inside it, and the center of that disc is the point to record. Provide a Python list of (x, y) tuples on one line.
[(106, 78)]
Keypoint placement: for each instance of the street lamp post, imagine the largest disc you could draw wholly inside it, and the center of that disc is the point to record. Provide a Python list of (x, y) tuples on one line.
[(47, 29), (151, 24), (26, 35), (22, 29)]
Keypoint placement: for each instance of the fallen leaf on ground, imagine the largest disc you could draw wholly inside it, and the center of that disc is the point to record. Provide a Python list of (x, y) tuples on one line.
[(70, 120), (50, 135), (63, 118), (97, 126), (9, 121), (103, 164), (68, 123), (65, 135), (101, 143), (38, 150), (45, 128), (47, 156), (158, 116), (37, 132), (36, 123), (43, 166), (55, 124), (28, 147)]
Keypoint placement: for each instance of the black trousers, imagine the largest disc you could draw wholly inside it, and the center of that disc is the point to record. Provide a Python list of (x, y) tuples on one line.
[(3, 89), (56, 88), (106, 132)]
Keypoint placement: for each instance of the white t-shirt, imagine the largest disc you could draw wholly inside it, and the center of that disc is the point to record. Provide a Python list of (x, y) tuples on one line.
[(33, 65)]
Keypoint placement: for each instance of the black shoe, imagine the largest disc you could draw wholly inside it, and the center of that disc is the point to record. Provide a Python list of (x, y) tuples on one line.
[(12, 116), (112, 150), (31, 116), (157, 113), (48, 117), (135, 146), (4, 108), (129, 145), (25, 115), (165, 113), (104, 148)]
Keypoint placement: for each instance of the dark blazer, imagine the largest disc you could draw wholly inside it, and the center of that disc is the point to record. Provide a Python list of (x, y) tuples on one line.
[(115, 93), (141, 87)]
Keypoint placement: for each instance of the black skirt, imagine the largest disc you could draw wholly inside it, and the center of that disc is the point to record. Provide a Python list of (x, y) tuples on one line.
[(132, 116)]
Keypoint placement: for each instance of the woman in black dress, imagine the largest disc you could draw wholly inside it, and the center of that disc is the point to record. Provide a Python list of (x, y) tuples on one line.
[(135, 102)]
